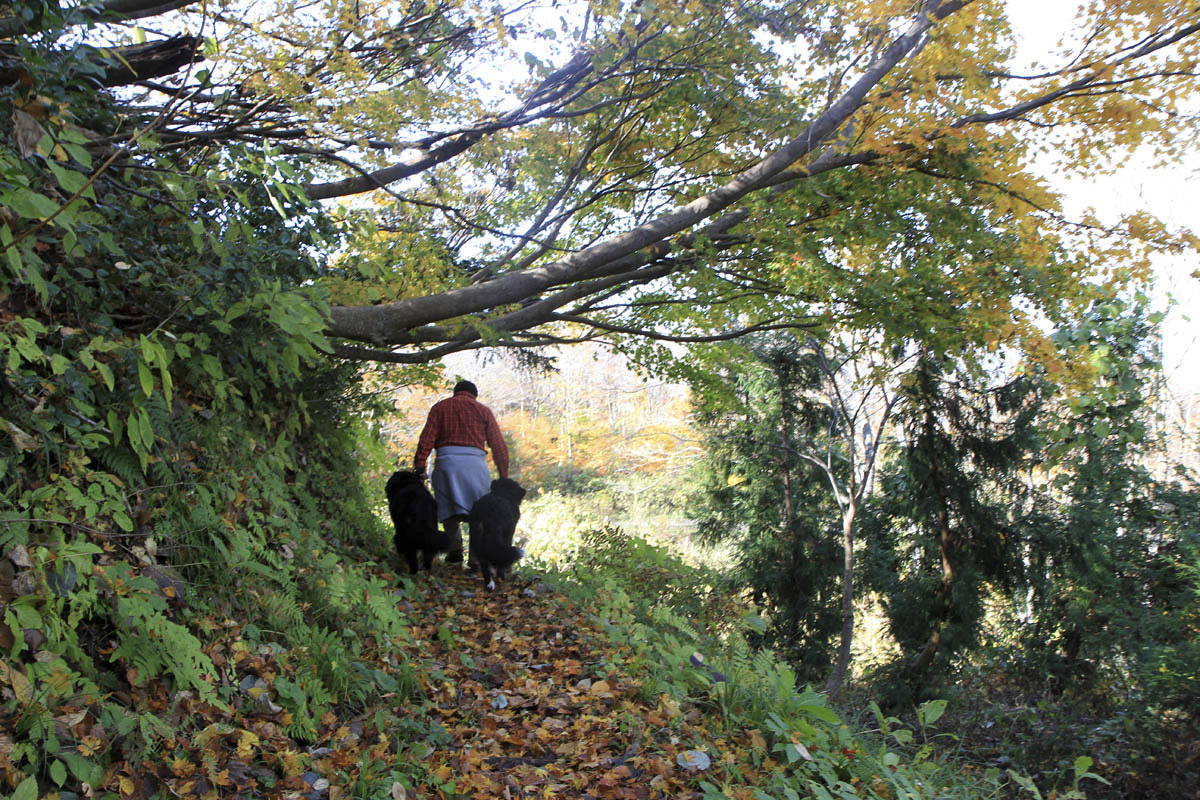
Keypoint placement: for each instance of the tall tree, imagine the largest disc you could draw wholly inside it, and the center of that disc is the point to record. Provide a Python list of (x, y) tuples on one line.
[(858, 388), (1110, 600), (1034, 495), (955, 507), (794, 431), (666, 170)]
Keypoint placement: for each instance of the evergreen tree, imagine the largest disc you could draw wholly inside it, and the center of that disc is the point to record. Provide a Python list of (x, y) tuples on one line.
[(756, 492), (1111, 596), (955, 515)]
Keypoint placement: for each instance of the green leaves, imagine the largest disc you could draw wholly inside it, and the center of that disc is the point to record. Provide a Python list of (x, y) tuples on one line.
[(28, 203), (146, 379), (140, 432), (26, 790), (153, 355), (931, 711)]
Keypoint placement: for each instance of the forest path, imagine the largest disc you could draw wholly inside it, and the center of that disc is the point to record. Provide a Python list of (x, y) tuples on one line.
[(525, 686)]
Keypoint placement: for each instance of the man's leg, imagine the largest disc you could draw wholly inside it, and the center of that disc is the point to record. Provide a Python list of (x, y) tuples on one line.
[(454, 535)]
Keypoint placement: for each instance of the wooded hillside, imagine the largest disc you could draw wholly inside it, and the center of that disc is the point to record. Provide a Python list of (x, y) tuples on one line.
[(229, 229)]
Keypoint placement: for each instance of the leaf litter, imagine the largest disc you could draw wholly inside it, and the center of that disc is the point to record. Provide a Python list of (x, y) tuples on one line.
[(527, 689), (521, 695)]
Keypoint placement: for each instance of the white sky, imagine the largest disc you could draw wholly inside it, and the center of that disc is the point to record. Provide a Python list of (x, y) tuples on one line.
[(1169, 194)]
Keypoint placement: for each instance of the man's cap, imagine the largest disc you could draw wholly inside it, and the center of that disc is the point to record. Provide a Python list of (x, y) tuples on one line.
[(466, 386)]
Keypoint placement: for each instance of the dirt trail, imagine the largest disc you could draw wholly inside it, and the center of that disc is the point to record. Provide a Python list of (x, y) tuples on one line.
[(533, 706)]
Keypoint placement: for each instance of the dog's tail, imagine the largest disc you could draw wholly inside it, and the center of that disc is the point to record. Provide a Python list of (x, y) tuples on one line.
[(501, 559), (503, 556), (497, 553), (437, 540)]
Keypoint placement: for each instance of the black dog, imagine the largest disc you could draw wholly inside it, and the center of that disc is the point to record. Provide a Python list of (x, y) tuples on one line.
[(493, 521), (414, 513)]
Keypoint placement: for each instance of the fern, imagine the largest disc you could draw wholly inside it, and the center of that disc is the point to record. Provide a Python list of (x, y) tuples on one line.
[(326, 654), (384, 612), (282, 612), (122, 462), (664, 615), (163, 472), (155, 645), (305, 704), (321, 674), (183, 426)]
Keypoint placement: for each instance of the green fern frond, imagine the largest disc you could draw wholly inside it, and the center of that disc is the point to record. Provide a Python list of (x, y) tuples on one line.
[(122, 462)]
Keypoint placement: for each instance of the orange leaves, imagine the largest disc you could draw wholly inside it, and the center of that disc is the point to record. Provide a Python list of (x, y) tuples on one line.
[(535, 709), (593, 415), (523, 695), (89, 746)]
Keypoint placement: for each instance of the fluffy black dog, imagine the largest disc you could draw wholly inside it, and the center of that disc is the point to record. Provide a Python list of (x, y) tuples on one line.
[(492, 522), (414, 513)]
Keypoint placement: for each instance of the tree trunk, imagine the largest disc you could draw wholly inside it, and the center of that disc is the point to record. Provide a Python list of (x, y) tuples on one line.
[(785, 435), (842, 664), (941, 603), (940, 607)]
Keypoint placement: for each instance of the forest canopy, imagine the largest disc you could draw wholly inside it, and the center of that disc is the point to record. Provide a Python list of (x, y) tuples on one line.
[(536, 173)]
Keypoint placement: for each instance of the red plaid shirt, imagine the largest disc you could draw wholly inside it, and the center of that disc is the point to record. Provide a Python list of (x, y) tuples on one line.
[(461, 420)]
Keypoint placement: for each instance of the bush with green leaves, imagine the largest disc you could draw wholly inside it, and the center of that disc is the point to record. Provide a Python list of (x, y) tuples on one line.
[(177, 450)]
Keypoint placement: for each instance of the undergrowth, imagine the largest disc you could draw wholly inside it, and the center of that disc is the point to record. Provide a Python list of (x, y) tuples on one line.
[(184, 528), (670, 624)]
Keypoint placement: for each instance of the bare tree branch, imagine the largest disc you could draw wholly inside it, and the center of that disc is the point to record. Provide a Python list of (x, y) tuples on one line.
[(124, 9)]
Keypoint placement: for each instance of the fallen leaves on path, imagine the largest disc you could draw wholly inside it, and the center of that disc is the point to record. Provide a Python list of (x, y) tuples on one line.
[(525, 685), (520, 695)]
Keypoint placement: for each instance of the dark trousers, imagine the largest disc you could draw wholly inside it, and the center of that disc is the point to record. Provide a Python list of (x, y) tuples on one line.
[(451, 526), (454, 535)]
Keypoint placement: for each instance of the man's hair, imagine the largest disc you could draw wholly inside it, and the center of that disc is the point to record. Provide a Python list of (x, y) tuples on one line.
[(466, 386)]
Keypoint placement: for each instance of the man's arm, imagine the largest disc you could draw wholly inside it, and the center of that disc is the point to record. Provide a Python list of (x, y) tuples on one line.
[(498, 446), (425, 442)]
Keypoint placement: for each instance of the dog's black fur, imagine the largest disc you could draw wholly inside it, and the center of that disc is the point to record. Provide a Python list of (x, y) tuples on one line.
[(414, 513), (493, 521)]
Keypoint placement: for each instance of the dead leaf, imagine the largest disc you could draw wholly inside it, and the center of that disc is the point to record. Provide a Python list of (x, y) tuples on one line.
[(19, 683), (247, 741), (27, 133), (20, 556), (21, 439)]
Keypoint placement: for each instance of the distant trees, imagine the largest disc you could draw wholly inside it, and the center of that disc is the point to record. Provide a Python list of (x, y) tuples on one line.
[(574, 417)]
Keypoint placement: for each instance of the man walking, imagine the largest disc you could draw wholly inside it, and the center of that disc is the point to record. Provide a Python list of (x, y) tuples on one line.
[(458, 428)]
